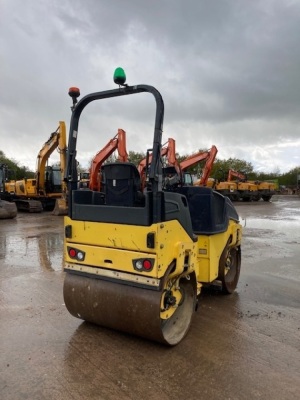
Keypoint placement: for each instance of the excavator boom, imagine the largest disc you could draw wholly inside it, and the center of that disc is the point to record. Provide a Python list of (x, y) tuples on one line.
[(57, 140), (117, 143)]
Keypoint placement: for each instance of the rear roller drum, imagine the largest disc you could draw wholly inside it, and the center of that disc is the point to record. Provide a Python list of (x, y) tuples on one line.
[(229, 269), (160, 315)]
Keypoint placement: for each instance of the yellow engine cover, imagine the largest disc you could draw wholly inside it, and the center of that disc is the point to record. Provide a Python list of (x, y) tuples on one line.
[(115, 246)]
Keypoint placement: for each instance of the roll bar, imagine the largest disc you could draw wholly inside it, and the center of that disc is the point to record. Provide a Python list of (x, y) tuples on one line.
[(155, 173)]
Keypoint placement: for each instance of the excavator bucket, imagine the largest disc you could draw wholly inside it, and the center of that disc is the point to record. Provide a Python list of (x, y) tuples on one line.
[(60, 207)]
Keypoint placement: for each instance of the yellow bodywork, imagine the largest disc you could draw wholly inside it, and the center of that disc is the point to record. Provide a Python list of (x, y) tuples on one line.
[(111, 248), (26, 187), (114, 246), (10, 187), (210, 248), (247, 186), (229, 186)]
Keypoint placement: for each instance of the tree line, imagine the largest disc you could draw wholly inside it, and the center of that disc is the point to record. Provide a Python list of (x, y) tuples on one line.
[(219, 170)]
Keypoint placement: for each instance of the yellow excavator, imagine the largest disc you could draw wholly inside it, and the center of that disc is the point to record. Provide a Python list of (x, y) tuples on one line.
[(47, 189), (136, 261)]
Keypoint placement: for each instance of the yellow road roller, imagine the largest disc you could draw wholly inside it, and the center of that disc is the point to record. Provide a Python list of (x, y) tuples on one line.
[(136, 259)]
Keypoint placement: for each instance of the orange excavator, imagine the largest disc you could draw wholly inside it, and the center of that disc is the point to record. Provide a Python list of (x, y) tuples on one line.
[(207, 156), (176, 169), (118, 142), (168, 151)]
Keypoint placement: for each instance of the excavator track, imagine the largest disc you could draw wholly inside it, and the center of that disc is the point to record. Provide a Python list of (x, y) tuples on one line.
[(130, 309), (32, 206)]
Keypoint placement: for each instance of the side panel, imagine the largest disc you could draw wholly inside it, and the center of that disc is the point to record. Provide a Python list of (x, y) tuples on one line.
[(210, 249)]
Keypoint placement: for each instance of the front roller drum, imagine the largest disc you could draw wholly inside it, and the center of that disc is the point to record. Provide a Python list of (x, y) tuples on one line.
[(130, 309), (229, 268)]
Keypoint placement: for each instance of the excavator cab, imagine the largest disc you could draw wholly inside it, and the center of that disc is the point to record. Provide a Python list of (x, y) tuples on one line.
[(188, 179), (171, 179), (53, 181), (83, 180)]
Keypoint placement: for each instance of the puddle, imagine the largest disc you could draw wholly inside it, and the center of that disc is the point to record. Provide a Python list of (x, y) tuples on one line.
[(41, 252)]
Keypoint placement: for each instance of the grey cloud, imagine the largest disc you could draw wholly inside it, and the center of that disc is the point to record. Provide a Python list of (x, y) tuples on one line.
[(226, 68)]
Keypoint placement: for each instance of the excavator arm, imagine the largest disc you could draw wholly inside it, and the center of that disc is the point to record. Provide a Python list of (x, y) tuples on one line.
[(208, 165), (118, 142), (168, 151), (209, 157), (57, 140), (235, 174)]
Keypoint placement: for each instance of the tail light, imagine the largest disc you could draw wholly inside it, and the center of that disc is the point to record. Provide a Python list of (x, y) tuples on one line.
[(76, 254), (143, 264)]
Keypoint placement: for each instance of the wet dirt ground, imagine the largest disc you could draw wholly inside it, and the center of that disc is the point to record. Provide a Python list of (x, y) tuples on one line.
[(242, 346)]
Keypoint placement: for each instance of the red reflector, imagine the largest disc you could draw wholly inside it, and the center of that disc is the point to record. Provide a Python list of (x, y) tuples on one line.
[(72, 253), (147, 264)]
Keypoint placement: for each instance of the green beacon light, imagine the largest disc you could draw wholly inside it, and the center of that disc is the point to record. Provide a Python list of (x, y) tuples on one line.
[(120, 76)]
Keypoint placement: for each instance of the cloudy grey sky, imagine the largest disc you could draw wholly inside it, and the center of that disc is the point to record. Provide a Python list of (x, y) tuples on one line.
[(228, 70)]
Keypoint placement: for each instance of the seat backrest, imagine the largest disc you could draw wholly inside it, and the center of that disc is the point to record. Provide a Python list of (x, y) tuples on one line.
[(121, 184), (208, 209)]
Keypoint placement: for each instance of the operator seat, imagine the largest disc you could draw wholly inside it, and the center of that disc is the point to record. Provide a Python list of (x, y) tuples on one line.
[(121, 184)]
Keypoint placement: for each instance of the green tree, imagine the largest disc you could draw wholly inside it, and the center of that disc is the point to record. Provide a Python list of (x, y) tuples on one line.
[(221, 167), (290, 178), (135, 157), (15, 171)]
